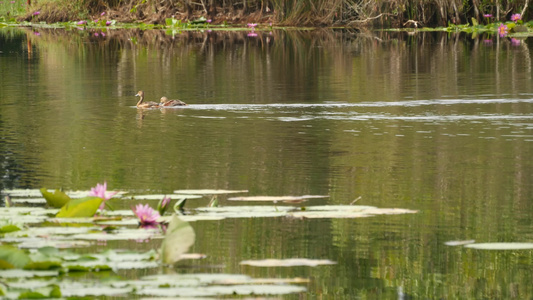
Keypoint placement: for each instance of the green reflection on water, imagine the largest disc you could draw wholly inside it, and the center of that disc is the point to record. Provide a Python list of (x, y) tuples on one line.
[(436, 123)]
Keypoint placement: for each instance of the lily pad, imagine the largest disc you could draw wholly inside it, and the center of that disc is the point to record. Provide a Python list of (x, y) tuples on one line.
[(212, 291), (500, 246), (18, 273), (179, 238), (277, 198), (291, 262), (171, 196), (23, 192), (347, 211), (28, 200), (56, 199), (121, 234), (79, 208), (209, 192), (12, 257), (459, 243)]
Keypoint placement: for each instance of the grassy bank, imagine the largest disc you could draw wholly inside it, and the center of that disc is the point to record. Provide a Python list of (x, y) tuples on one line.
[(380, 13)]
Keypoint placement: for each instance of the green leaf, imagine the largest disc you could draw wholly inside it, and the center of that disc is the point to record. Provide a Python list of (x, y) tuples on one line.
[(179, 238), (12, 257), (57, 200), (80, 208), (9, 228), (474, 22)]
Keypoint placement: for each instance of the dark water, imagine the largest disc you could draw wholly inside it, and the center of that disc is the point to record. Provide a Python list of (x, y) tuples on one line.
[(433, 122)]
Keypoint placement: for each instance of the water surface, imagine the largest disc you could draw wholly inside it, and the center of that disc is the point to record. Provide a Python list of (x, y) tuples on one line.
[(433, 122)]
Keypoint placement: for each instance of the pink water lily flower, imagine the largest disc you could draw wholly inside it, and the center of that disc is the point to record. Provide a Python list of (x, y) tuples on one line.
[(81, 23), (146, 214), (100, 191), (165, 201), (36, 13), (503, 30), (252, 25), (515, 17), (487, 15), (102, 14)]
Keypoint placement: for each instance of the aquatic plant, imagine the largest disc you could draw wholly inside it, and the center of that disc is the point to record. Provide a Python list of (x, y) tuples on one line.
[(146, 214), (503, 30), (163, 205), (101, 191), (516, 17)]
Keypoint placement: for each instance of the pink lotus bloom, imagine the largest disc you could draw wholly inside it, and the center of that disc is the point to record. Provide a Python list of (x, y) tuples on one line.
[(107, 23), (36, 13), (96, 34), (162, 205), (146, 214), (100, 191), (166, 201), (252, 25), (37, 33), (487, 15), (81, 23), (209, 21), (503, 30), (103, 13), (515, 17)]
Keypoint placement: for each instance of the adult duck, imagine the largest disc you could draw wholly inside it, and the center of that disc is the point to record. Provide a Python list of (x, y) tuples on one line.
[(165, 102), (142, 104)]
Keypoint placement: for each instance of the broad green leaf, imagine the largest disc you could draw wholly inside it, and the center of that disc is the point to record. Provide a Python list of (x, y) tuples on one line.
[(9, 228), (80, 208), (179, 238), (58, 199), (12, 257), (52, 291)]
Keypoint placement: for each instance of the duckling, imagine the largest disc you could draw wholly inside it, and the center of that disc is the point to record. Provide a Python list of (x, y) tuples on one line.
[(166, 102), (142, 104)]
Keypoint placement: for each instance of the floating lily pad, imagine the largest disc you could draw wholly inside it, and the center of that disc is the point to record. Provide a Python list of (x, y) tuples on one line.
[(23, 192), (80, 208), (212, 291), (210, 285), (78, 289), (291, 262), (121, 234), (277, 198), (209, 192), (57, 199), (28, 200), (347, 211), (12, 257), (18, 273), (459, 243), (171, 196), (178, 239), (500, 246)]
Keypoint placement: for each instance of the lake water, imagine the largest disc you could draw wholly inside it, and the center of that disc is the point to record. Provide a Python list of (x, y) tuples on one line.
[(435, 122)]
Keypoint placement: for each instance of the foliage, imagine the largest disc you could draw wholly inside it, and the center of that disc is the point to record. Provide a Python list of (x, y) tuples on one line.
[(396, 13), (80, 208), (57, 199)]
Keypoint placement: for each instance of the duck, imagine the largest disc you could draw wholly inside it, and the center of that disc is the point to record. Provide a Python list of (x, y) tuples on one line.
[(142, 104), (165, 102)]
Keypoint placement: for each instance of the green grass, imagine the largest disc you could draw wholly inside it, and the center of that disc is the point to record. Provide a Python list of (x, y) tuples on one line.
[(12, 8)]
